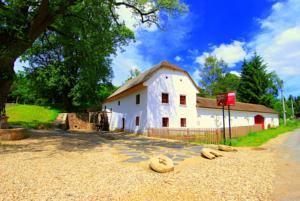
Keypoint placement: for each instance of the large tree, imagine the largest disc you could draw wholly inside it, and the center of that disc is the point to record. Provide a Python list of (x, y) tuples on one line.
[(23, 22), (215, 79), (257, 85), (69, 66)]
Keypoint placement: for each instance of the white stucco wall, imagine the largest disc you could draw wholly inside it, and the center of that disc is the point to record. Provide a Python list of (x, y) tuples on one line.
[(212, 118), (128, 109), (175, 84), (151, 110)]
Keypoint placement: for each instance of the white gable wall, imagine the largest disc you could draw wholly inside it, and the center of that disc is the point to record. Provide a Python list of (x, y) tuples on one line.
[(128, 109), (174, 83)]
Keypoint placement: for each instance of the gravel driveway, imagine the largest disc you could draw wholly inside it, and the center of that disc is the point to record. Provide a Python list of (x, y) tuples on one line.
[(287, 180), (60, 166)]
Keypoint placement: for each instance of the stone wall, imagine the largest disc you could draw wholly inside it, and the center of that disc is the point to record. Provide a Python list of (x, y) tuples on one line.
[(80, 121)]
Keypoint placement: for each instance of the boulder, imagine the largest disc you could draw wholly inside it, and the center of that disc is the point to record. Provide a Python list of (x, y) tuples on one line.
[(213, 152), (207, 154), (161, 164), (226, 148)]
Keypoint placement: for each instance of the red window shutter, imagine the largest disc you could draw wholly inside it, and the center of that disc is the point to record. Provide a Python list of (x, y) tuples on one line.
[(165, 98), (165, 122), (183, 122), (137, 121), (182, 100)]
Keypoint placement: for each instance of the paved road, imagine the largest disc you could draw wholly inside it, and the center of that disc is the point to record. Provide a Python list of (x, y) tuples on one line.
[(287, 183)]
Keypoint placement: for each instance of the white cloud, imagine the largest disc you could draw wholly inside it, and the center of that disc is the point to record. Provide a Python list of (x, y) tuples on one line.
[(201, 59), (178, 58), (196, 75), (279, 42), (131, 21), (235, 73), (231, 53), (151, 46), (127, 60)]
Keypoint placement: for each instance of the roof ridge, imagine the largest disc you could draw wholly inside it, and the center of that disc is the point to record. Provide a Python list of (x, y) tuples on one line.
[(144, 76), (240, 106)]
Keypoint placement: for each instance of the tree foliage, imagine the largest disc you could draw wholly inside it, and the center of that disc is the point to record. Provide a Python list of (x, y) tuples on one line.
[(21, 90), (69, 66), (23, 24), (134, 72), (257, 85), (215, 79), (68, 43)]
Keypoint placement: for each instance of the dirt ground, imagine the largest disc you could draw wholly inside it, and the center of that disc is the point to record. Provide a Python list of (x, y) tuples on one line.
[(61, 166)]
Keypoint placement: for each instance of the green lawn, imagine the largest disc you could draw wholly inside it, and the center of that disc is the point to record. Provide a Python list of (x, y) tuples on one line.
[(30, 116), (255, 139)]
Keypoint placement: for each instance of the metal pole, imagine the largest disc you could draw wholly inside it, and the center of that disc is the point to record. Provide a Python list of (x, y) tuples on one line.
[(292, 101), (283, 107), (224, 136), (229, 124)]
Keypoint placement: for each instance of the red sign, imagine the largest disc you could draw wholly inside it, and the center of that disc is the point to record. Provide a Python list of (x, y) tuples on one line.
[(226, 99), (230, 98)]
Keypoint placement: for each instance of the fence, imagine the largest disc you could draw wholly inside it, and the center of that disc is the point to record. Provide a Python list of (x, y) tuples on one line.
[(202, 135)]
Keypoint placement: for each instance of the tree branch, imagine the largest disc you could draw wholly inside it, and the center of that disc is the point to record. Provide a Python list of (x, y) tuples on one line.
[(142, 14), (44, 18)]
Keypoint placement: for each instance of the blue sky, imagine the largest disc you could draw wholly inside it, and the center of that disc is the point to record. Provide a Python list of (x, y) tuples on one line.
[(229, 29)]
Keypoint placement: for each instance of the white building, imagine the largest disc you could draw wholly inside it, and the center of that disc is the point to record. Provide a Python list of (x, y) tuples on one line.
[(166, 96)]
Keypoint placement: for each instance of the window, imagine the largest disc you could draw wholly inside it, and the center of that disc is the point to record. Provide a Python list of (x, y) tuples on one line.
[(137, 120), (182, 100), (183, 122), (137, 99), (165, 122), (165, 98), (119, 102)]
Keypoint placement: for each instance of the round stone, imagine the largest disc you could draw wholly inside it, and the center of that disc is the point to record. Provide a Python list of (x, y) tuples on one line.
[(161, 164)]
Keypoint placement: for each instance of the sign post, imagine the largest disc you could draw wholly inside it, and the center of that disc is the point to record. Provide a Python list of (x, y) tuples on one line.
[(224, 136), (226, 99), (221, 101), (230, 101)]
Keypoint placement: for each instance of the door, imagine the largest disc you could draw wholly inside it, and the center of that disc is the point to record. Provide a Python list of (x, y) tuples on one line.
[(123, 123), (258, 119)]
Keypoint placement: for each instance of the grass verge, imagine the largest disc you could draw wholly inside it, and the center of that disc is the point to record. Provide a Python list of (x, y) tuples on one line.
[(31, 116), (255, 139)]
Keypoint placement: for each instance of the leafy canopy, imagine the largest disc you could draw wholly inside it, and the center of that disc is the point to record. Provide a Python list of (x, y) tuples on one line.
[(215, 79), (69, 43)]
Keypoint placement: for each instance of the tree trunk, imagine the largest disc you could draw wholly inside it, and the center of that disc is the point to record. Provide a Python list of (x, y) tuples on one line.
[(67, 102), (6, 80)]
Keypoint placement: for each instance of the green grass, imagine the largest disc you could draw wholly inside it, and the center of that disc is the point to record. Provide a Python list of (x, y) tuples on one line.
[(30, 116), (255, 139)]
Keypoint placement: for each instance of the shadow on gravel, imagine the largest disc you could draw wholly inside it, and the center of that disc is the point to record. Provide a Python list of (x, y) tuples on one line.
[(44, 140)]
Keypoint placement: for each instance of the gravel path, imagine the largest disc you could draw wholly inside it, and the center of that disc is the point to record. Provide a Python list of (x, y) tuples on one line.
[(88, 167), (287, 181)]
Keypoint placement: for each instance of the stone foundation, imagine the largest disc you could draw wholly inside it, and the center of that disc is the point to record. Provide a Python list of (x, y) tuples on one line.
[(13, 134)]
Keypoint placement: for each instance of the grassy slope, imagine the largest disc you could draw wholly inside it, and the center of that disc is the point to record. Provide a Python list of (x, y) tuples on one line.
[(30, 116), (255, 139)]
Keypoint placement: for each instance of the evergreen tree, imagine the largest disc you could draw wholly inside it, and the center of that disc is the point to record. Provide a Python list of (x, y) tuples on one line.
[(256, 84)]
